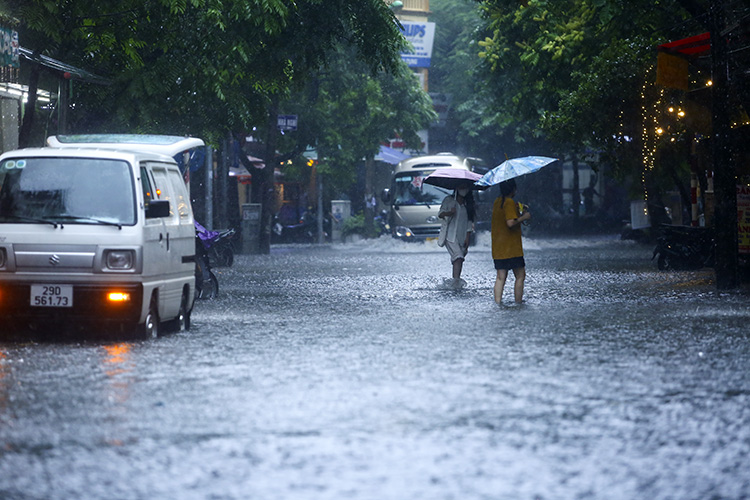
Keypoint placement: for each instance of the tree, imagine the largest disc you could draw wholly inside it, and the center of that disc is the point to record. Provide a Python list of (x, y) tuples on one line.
[(203, 67), (572, 71), (200, 66), (347, 111)]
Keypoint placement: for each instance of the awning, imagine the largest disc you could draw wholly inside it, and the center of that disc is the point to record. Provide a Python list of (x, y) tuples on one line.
[(693, 46), (390, 155), (75, 73)]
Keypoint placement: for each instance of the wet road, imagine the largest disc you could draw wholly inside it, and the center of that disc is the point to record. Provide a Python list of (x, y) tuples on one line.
[(349, 372)]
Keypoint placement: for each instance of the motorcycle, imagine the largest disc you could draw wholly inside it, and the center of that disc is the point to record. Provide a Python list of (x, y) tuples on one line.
[(206, 282), (305, 230), (684, 248), (221, 249)]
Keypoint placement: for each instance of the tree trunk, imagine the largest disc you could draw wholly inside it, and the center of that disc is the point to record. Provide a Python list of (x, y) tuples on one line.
[(24, 136), (576, 191), (267, 191)]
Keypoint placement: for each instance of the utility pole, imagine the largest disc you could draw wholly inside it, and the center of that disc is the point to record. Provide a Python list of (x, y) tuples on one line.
[(725, 182)]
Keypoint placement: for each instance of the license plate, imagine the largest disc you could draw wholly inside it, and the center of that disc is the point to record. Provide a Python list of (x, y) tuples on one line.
[(430, 238), (52, 295)]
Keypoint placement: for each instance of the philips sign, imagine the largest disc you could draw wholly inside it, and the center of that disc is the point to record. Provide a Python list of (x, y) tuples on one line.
[(421, 37)]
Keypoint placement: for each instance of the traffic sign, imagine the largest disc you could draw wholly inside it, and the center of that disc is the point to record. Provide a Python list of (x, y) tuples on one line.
[(287, 122)]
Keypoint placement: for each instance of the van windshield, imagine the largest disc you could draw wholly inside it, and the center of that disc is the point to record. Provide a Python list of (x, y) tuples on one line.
[(409, 189), (67, 190)]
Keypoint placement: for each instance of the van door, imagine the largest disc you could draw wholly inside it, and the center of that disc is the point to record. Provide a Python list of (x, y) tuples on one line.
[(154, 229), (183, 233), (174, 273)]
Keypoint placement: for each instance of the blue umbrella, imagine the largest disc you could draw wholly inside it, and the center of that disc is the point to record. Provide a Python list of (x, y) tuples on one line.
[(512, 168)]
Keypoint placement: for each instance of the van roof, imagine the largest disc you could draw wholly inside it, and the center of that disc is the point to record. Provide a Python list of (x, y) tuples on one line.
[(168, 145), (87, 152)]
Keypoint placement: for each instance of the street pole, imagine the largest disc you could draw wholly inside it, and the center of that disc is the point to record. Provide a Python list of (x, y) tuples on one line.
[(209, 187), (725, 184), (321, 236)]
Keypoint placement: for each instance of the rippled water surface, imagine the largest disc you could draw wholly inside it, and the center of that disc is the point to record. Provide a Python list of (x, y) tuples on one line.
[(351, 372)]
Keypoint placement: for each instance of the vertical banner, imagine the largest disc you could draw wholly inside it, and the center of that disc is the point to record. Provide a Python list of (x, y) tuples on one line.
[(743, 219), (9, 55)]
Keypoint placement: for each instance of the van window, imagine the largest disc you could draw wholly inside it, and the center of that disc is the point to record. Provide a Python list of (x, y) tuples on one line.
[(162, 187), (178, 188), (148, 190), (409, 189), (67, 190)]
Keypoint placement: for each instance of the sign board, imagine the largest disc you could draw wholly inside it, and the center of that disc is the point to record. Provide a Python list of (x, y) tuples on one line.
[(421, 37), (672, 71), (287, 122), (639, 218)]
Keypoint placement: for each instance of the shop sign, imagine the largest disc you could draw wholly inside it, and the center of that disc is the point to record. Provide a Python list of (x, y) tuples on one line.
[(421, 37)]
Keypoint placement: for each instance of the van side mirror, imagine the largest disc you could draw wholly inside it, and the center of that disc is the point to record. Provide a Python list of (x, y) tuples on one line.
[(386, 195), (157, 208)]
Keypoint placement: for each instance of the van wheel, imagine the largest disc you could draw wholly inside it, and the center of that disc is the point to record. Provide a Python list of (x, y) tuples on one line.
[(150, 327), (182, 321), (185, 315)]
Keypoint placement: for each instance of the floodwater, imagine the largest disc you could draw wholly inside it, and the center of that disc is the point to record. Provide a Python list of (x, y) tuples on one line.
[(350, 372)]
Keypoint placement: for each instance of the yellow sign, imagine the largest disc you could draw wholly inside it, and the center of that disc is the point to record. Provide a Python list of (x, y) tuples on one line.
[(672, 71)]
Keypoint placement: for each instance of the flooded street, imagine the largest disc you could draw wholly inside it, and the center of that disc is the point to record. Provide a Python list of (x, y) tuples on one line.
[(351, 372)]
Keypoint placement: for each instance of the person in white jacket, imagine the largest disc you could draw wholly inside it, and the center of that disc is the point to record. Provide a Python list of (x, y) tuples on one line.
[(457, 212)]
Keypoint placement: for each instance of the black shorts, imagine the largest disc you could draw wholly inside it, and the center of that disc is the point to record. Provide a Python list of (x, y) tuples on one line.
[(514, 263)]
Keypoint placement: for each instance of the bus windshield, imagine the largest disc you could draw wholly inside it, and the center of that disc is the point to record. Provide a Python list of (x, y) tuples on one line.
[(409, 189)]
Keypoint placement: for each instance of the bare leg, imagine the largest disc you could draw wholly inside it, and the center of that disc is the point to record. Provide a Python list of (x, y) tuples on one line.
[(502, 274), (458, 266), (520, 275)]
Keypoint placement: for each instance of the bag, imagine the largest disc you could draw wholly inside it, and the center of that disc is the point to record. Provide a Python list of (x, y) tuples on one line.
[(443, 232), (443, 227)]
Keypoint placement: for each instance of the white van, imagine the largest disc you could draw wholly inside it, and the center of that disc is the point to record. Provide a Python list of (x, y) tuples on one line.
[(96, 230), (414, 205)]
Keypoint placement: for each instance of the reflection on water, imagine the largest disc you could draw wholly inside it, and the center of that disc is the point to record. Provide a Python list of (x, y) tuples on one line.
[(117, 366), (3, 381)]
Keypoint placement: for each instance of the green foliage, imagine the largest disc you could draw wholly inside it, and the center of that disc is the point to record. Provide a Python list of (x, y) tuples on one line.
[(354, 225), (199, 67), (570, 71), (346, 111)]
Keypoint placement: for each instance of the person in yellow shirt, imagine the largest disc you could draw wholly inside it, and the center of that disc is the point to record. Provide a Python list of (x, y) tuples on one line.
[(507, 249)]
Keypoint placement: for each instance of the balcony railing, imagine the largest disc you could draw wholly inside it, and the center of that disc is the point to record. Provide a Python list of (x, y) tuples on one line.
[(417, 5)]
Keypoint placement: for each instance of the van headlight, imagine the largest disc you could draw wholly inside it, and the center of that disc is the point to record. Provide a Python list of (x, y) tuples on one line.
[(119, 260)]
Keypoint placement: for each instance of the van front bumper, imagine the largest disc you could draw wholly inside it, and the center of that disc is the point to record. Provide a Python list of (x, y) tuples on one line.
[(91, 306)]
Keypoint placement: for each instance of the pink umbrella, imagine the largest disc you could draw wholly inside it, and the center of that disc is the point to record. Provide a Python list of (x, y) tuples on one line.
[(453, 178)]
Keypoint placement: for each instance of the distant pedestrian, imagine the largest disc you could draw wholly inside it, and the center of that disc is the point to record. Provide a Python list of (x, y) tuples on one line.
[(457, 212), (588, 196), (507, 249)]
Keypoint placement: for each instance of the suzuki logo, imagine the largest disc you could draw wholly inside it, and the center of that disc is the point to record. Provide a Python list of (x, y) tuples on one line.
[(54, 260)]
